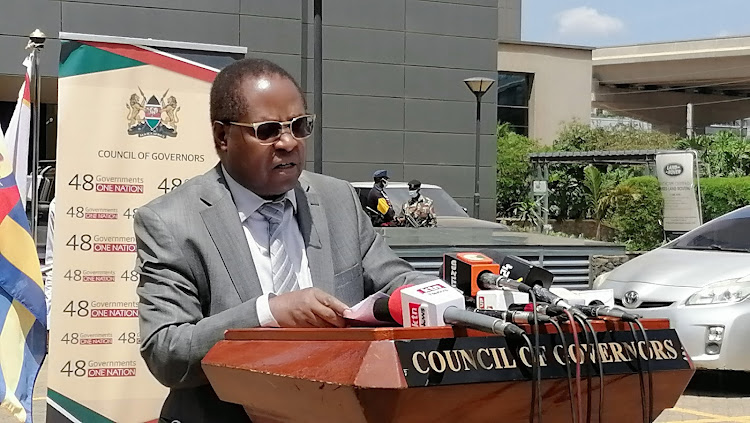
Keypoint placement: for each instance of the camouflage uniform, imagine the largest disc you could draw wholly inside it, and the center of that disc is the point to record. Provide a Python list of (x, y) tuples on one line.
[(418, 213)]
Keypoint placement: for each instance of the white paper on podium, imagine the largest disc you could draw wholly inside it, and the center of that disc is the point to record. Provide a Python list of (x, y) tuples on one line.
[(362, 311)]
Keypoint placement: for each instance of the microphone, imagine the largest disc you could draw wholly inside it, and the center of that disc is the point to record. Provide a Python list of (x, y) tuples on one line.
[(473, 272), (462, 270), (493, 281), (599, 311), (534, 277), (514, 267), (548, 309), (546, 295), (438, 304), (460, 317), (515, 316)]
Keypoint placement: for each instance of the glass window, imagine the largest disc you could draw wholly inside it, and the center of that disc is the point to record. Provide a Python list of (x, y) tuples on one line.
[(513, 89), (517, 117), (730, 232)]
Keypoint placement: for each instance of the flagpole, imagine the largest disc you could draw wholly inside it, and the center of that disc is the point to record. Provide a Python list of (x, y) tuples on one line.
[(36, 43)]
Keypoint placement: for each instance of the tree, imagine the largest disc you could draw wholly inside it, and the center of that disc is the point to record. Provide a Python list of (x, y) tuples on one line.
[(721, 154), (513, 168), (603, 194)]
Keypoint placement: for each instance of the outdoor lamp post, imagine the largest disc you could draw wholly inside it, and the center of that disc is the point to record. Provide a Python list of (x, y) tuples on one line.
[(318, 86), (478, 86)]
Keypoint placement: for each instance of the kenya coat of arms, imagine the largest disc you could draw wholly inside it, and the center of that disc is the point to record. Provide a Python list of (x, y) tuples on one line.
[(151, 116)]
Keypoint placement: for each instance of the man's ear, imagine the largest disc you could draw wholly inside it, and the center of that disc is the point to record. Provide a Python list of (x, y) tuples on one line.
[(221, 135)]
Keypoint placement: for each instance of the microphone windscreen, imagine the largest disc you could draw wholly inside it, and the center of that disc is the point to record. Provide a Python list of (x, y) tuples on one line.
[(394, 305), (381, 311)]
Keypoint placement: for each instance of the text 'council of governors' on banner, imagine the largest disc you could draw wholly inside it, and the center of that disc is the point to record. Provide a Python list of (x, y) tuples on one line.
[(133, 125)]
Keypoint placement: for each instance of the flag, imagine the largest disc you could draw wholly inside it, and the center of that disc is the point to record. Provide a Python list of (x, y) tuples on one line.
[(23, 313), (17, 135)]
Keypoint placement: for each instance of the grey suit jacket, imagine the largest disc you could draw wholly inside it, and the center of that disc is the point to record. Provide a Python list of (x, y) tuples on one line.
[(198, 278)]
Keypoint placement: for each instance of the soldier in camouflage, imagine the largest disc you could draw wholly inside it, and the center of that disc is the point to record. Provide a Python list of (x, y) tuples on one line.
[(417, 211)]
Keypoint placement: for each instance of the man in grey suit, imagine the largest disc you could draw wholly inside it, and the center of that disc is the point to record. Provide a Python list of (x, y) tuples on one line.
[(255, 241)]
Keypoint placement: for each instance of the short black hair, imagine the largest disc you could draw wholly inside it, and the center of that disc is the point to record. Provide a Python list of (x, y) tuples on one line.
[(227, 102)]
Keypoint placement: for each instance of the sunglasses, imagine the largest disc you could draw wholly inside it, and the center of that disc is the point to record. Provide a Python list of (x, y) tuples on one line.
[(268, 132)]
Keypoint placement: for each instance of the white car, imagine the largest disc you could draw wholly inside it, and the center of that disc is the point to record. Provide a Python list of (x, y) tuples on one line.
[(701, 283)]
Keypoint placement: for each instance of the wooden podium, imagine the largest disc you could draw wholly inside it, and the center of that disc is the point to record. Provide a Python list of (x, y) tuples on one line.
[(355, 375)]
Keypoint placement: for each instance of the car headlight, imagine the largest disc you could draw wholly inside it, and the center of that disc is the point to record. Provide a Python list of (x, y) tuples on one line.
[(600, 280), (728, 291)]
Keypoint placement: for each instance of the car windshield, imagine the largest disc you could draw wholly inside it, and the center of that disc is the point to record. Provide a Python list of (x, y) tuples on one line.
[(443, 203), (730, 232)]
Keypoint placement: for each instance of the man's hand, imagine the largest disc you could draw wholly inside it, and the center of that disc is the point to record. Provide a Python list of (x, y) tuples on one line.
[(307, 308)]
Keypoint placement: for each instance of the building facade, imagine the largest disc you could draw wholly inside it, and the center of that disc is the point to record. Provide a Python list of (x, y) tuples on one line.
[(392, 71), (543, 86)]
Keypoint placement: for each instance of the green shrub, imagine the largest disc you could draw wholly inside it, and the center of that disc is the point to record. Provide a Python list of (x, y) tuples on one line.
[(722, 195), (567, 198), (637, 220), (513, 168), (721, 154)]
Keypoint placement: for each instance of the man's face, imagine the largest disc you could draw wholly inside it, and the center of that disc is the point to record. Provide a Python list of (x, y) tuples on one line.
[(267, 170)]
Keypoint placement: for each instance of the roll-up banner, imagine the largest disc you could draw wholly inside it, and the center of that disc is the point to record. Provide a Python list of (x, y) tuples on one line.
[(676, 174), (133, 124)]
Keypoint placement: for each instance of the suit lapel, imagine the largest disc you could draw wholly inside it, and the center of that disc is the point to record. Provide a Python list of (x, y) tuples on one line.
[(314, 228), (226, 231)]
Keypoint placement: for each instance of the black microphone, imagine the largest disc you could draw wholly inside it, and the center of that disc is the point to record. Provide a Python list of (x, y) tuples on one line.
[(550, 310), (479, 321), (489, 280), (546, 295), (516, 268), (599, 311), (515, 316), (543, 308)]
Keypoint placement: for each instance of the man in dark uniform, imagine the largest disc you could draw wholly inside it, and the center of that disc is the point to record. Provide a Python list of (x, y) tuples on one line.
[(379, 207)]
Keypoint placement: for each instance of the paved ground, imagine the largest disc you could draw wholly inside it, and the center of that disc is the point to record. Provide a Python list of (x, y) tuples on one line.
[(711, 397)]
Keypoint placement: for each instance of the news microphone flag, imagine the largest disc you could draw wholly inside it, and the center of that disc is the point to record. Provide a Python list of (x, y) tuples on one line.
[(17, 135), (23, 313)]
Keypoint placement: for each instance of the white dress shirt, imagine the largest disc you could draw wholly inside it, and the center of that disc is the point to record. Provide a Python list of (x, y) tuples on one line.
[(255, 227)]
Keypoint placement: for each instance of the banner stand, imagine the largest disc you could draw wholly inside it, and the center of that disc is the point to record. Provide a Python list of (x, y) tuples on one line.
[(133, 124), (678, 173)]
